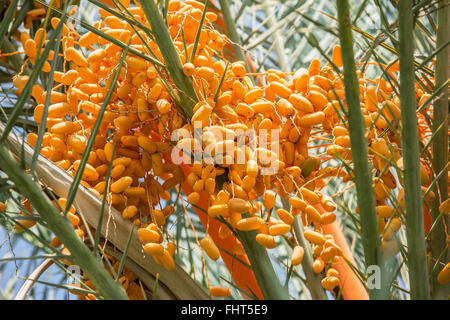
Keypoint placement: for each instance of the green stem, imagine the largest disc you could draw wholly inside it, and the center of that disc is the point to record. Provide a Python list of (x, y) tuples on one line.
[(440, 147), (171, 58), (363, 178), (4, 25), (232, 32), (312, 279), (262, 267), (61, 227), (415, 234)]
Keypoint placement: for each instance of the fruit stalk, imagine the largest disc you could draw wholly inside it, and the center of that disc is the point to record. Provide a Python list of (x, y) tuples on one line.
[(415, 233), (363, 177), (440, 146), (62, 228)]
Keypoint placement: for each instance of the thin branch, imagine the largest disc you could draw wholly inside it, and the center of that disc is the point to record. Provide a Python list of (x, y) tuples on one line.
[(415, 234), (31, 280)]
